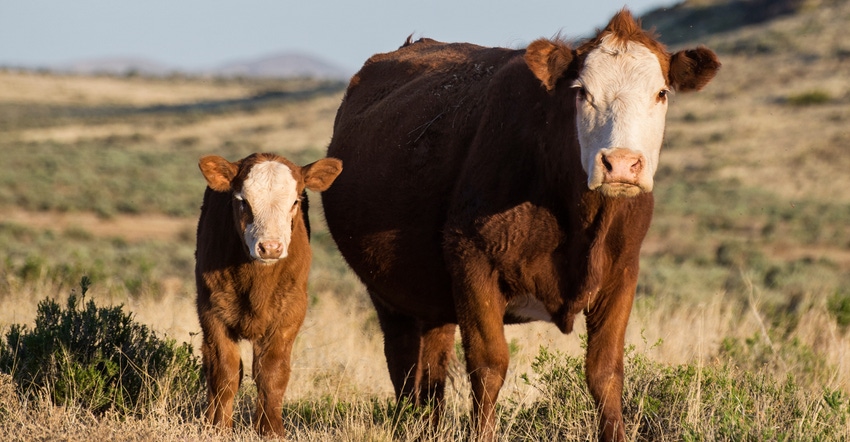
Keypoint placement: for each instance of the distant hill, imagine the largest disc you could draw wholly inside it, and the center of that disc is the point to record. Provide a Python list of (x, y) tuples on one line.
[(115, 66), (282, 65), (694, 19)]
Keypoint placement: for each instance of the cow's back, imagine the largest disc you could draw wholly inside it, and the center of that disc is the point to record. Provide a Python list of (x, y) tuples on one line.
[(403, 132)]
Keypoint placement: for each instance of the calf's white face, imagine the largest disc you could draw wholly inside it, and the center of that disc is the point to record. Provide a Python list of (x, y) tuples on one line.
[(266, 192), (621, 105), (268, 202)]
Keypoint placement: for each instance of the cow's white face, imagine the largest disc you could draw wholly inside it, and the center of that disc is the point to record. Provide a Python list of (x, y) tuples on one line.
[(266, 205), (621, 105)]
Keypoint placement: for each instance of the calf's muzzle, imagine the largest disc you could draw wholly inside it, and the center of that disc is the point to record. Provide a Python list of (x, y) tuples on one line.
[(270, 250)]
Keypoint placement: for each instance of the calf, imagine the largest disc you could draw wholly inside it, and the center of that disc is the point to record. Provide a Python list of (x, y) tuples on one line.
[(253, 257)]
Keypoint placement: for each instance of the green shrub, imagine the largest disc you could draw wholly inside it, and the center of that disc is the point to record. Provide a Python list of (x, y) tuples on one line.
[(839, 306), (809, 98), (96, 357)]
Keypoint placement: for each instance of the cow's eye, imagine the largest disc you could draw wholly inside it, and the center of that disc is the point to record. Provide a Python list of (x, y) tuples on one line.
[(581, 91), (662, 95)]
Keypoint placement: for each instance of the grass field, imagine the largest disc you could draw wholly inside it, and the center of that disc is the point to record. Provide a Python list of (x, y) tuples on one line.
[(740, 325)]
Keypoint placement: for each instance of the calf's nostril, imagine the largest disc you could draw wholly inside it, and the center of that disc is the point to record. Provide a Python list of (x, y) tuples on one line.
[(270, 249)]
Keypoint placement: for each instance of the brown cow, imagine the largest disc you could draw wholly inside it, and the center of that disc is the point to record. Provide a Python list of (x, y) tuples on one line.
[(487, 186), (253, 257)]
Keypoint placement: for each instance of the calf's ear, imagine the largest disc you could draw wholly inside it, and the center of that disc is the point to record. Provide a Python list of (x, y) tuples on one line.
[(548, 61), (218, 172), (320, 175), (692, 69)]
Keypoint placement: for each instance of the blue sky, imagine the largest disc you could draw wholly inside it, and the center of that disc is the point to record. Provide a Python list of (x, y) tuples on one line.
[(196, 34)]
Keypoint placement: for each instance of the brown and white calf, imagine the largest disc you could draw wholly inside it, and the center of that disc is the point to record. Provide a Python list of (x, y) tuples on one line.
[(253, 257), (486, 186)]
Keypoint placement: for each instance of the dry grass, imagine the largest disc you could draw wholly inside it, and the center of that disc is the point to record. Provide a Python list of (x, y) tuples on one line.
[(291, 128), (34, 88), (338, 360), (743, 116)]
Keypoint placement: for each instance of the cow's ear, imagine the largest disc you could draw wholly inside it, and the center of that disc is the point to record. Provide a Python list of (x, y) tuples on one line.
[(692, 69), (548, 61), (218, 172), (320, 175)]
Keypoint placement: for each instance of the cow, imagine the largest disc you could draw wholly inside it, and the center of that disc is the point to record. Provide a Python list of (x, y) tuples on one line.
[(252, 261), (491, 186)]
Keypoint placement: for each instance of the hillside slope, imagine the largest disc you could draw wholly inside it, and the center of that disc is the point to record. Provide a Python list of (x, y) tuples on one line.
[(692, 20), (760, 157)]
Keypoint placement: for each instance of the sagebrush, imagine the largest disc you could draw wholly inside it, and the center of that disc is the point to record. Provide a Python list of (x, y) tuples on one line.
[(96, 357)]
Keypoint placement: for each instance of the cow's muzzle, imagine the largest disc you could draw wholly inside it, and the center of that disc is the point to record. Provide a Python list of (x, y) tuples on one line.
[(622, 173)]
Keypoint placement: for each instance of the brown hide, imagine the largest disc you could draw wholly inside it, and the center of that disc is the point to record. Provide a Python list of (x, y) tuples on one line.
[(240, 298), (464, 203)]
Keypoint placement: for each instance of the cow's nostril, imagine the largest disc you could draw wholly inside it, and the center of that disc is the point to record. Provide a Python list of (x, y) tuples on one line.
[(637, 166), (606, 163)]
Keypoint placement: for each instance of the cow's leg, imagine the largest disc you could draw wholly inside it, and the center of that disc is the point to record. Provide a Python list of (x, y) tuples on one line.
[(272, 368), (606, 329), (481, 310), (223, 370), (436, 357), (402, 346)]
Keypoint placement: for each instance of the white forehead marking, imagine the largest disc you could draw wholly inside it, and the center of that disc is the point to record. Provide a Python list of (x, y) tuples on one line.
[(616, 67), (269, 184)]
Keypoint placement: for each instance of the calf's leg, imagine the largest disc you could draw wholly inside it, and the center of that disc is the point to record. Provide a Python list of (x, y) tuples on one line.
[(223, 370), (271, 369)]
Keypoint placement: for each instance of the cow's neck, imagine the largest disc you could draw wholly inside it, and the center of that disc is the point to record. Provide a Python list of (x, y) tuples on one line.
[(598, 238)]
